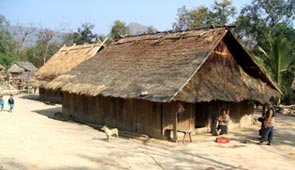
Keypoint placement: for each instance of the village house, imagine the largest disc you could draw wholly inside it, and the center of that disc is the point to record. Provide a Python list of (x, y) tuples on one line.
[(61, 62), (20, 73), (135, 83)]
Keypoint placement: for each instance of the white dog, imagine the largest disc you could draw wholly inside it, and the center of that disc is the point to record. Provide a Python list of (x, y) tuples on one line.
[(110, 132)]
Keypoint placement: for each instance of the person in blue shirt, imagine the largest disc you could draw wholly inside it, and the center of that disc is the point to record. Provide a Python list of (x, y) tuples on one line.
[(1, 103), (11, 103)]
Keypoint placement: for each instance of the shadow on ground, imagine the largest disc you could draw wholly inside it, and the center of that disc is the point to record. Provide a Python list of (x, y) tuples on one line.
[(31, 97), (36, 97), (52, 113)]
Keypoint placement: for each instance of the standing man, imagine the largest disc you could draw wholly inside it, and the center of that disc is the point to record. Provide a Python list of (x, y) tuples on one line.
[(268, 125), (11, 103)]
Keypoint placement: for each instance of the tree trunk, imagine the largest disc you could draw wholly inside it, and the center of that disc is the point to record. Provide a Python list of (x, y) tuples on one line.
[(45, 55)]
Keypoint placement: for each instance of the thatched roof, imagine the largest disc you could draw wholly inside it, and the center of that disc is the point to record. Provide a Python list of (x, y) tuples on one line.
[(162, 67), (27, 66), (14, 68), (63, 61)]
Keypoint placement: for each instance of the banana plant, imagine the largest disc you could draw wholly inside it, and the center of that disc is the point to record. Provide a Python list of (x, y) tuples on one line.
[(278, 59)]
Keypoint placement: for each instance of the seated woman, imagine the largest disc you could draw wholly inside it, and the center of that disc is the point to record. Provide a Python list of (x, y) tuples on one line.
[(222, 123)]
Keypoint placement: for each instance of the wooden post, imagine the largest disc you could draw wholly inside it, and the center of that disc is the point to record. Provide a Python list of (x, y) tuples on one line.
[(179, 109), (175, 127)]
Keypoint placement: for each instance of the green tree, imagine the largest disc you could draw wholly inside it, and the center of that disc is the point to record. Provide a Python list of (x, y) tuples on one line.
[(192, 19), (279, 61), (45, 37), (35, 54), (151, 30), (104, 39), (261, 19), (119, 30), (7, 44), (83, 35), (273, 18), (44, 48), (220, 14), (68, 38)]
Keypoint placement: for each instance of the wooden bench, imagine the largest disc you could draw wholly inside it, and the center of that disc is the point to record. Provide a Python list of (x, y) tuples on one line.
[(186, 133)]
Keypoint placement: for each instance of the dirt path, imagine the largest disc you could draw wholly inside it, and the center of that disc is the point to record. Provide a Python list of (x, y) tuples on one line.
[(32, 140)]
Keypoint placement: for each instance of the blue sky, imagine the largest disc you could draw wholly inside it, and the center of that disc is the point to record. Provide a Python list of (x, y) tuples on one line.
[(68, 15)]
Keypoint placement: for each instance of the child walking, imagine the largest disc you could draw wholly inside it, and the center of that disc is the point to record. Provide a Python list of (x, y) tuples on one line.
[(1, 103), (11, 103)]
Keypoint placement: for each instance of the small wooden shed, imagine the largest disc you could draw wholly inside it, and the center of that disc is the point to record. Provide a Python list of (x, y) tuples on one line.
[(136, 83), (61, 62), (20, 72)]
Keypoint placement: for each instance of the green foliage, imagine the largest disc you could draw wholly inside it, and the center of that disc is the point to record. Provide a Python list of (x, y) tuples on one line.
[(288, 97), (151, 30), (220, 14), (68, 38), (262, 19), (191, 19), (7, 44), (7, 59), (279, 62), (105, 38), (83, 35), (36, 53), (119, 29), (259, 21)]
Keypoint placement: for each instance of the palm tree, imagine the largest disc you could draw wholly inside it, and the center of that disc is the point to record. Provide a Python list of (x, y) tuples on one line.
[(278, 61)]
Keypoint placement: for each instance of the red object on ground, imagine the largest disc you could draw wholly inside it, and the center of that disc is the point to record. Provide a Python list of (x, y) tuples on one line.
[(222, 140)]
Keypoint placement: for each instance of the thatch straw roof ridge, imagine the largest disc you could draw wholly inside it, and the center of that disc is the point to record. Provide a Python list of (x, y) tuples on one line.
[(167, 36), (66, 59), (79, 47)]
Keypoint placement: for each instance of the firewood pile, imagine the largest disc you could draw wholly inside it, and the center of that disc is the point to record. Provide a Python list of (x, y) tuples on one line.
[(285, 109)]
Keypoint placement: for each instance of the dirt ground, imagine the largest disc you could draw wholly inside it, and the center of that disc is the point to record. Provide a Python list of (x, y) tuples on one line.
[(31, 139)]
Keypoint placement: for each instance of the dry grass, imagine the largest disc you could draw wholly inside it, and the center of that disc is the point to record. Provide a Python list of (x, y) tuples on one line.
[(63, 61)]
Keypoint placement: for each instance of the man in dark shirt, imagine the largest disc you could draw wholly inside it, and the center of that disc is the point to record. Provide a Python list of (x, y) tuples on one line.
[(268, 125)]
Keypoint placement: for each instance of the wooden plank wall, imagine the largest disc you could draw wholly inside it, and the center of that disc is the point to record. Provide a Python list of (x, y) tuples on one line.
[(139, 116), (207, 112), (50, 95)]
